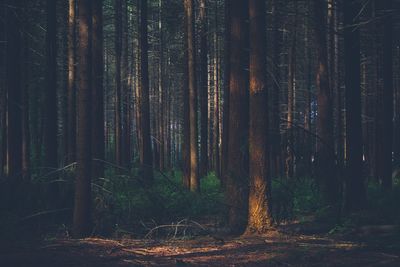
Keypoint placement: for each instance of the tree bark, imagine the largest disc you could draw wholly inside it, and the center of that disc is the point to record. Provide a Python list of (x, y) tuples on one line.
[(203, 89), (191, 66), (387, 108), (118, 82), (236, 173), (325, 157), (82, 205), (14, 90), (71, 86), (355, 194), (146, 157), (260, 218), (97, 89), (50, 127)]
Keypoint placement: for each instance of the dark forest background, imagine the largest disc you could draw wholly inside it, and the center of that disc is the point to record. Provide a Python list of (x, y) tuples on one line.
[(118, 116)]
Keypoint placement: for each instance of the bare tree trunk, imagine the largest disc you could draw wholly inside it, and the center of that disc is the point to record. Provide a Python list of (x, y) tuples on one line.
[(146, 157), (355, 195), (226, 91), (14, 90), (71, 88), (260, 217), (236, 173), (387, 141), (50, 102), (203, 89), (194, 161), (118, 84), (276, 149), (97, 89), (325, 157), (82, 205)]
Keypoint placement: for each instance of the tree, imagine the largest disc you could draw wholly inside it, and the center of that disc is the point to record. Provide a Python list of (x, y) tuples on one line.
[(71, 88), (387, 142), (82, 205), (260, 218), (13, 90), (118, 77), (50, 128), (191, 65), (203, 89), (355, 191), (146, 156), (325, 157), (276, 153), (97, 87), (236, 173)]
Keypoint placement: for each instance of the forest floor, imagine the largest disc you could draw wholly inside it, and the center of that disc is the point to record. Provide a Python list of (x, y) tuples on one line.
[(304, 244)]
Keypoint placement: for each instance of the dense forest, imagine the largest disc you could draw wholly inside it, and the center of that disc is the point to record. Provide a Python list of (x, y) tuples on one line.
[(200, 132)]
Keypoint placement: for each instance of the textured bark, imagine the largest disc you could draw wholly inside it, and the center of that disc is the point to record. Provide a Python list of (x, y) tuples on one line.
[(355, 194), (14, 90), (146, 157), (191, 66), (236, 174), (260, 218), (71, 88), (325, 158), (203, 89), (387, 108), (97, 89), (50, 128), (82, 205)]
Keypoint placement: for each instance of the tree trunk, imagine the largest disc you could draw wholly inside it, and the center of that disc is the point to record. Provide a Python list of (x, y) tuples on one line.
[(325, 157), (146, 157), (276, 152), (71, 88), (118, 83), (236, 173), (225, 102), (387, 108), (50, 126), (14, 90), (355, 195), (191, 66), (260, 218), (97, 89), (82, 205), (185, 117), (203, 89)]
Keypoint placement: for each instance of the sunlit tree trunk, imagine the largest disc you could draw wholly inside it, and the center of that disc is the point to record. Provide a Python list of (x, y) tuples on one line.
[(260, 217)]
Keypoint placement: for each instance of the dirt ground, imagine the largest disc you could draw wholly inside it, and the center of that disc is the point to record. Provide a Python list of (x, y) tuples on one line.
[(279, 248)]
